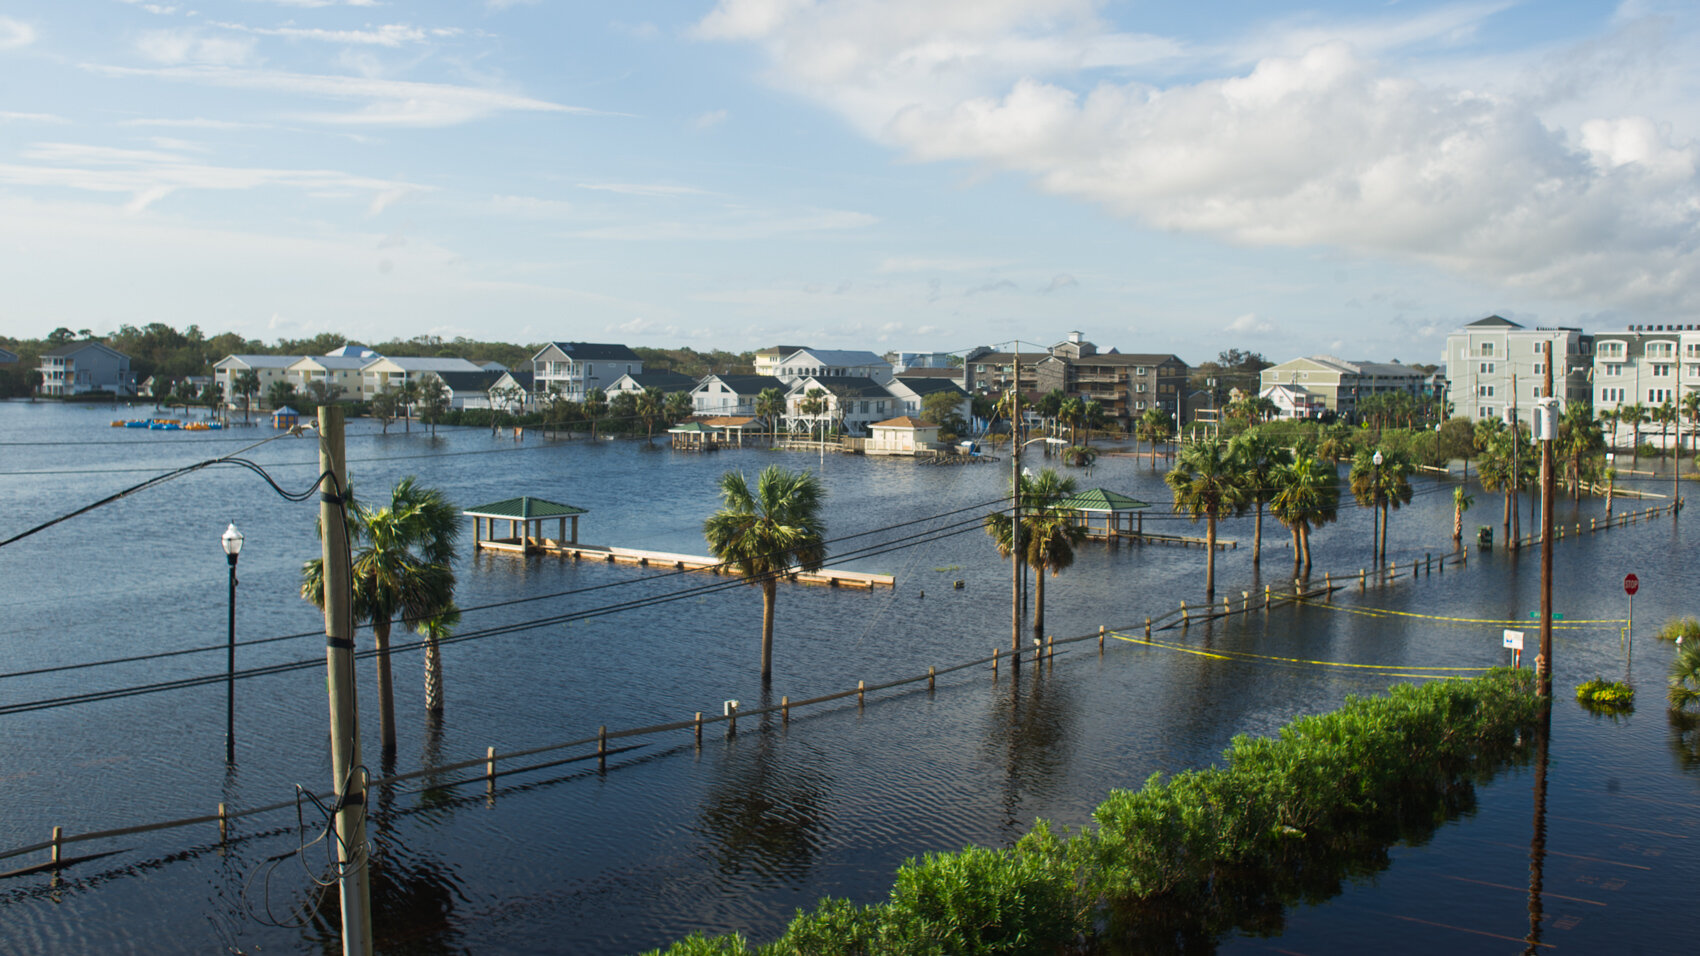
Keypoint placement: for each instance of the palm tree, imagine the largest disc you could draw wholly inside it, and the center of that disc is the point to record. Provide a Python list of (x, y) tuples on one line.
[(1690, 406), (1050, 406), (1384, 486), (677, 407), (434, 629), (1579, 440), (1337, 445), (1461, 502), (1259, 455), (651, 403), (1154, 426), (1092, 418), (1665, 415), (1609, 418), (1684, 691), (814, 404), (1070, 415), (1047, 535), (409, 393), (1306, 496), (1634, 415), (1207, 482), (765, 533), (770, 405), (595, 406), (401, 567), (246, 384)]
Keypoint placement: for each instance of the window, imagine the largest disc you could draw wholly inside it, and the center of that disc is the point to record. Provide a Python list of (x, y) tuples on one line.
[(1486, 368), (1141, 387), (1541, 348), (1539, 368), (1691, 350), (1484, 391), (1613, 369), (1661, 350), (1487, 411), (1661, 371), (1487, 348), (1611, 349), (1140, 405), (1658, 395)]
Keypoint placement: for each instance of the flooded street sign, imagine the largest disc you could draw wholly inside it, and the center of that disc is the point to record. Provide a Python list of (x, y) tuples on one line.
[(1631, 584), (1514, 640)]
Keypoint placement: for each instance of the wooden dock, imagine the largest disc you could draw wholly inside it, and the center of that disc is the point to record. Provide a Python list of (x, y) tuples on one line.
[(830, 577), (1146, 537)]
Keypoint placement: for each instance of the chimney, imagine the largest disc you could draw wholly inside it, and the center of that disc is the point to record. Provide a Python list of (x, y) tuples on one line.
[(1074, 338)]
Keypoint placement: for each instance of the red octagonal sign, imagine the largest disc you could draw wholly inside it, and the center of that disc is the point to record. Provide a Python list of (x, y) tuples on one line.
[(1631, 584)]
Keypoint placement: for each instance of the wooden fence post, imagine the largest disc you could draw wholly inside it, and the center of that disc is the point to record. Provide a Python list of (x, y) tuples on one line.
[(490, 770), (223, 824), (1361, 584), (1184, 616), (602, 749), (932, 677), (731, 718), (699, 728), (1147, 627), (994, 663), (1100, 638), (785, 705), (861, 689), (58, 850)]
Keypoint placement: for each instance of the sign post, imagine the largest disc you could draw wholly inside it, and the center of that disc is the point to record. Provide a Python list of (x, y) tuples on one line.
[(1631, 584), (1514, 640)]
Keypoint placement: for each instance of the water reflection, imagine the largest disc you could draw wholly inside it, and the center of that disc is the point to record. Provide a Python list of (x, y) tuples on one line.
[(1685, 739), (765, 813), (1026, 736)]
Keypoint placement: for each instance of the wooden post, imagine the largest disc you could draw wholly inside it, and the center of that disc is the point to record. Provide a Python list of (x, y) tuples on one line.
[(1361, 584), (1148, 627), (1392, 569), (1051, 646), (785, 709), (223, 824), (1184, 616), (699, 728), (1266, 597), (1227, 606), (1593, 525), (932, 677), (1428, 563), (58, 850), (490, 767), (602, 749), (731, 720), (994, 663), (1245, 602), (861, 691), (1100, 638)]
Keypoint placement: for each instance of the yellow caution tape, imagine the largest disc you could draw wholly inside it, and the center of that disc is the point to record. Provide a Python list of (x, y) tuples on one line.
[(1386, 612), (1298, 660)]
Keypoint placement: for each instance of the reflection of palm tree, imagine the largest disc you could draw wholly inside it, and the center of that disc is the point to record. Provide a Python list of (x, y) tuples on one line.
[(402, 568), (1207, 483), (765, 814), (765, 533), (1046, 538)]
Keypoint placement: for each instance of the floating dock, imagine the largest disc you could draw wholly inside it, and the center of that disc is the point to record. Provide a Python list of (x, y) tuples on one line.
[(830, 577)]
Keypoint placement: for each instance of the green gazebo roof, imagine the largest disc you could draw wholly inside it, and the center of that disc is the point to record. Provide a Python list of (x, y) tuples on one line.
[(688, 428), (524, 509), (1100, 499)]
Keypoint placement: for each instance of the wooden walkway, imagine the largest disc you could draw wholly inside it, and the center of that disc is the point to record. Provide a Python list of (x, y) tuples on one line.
[(830, 577), (1146, 537)]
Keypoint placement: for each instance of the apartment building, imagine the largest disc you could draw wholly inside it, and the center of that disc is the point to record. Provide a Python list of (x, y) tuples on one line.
[(89, 366), (574, 368), (1647, 365), (1496, 367)]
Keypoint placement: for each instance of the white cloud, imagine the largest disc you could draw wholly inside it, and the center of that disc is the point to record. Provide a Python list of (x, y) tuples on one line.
[(191, 123), (1317, 147), (389, 35), (710, 119), (15, 34), (175, 47), (7, 116), (388, 102), (733, 225), (1250, 324), (646, 189), (1060, 281)]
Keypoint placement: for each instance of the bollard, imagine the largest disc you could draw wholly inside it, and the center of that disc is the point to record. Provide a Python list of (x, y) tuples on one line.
[(58, 834), (1100, 638), (223, 824), (932, 677), (994, 663), (861, 689), (1147, 627), (1361, 579), (602, 749), (699, 728)]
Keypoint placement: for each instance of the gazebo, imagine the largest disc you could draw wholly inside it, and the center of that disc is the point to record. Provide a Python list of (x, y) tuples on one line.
[(692, 436), (286, 417), (525, 515), (1113, 507)]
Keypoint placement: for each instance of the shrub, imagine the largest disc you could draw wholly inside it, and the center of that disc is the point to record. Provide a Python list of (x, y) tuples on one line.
[(1606, 695), (1684, 692), (1686, 628)]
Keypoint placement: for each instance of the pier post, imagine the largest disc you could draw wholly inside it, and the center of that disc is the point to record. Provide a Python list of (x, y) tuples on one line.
[(1148, 627), (1184, 616), (995, 663), (785, 702), (1361, 584), (699, 728), (1100, 643), (602, 749), (58, 850)]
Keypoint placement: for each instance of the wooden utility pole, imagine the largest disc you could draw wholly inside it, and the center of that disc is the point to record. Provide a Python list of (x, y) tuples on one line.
[(1015, 503), (1543, 664), (347, 771)]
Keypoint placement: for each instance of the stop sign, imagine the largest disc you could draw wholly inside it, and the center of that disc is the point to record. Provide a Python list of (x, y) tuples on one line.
[(1631, 584)]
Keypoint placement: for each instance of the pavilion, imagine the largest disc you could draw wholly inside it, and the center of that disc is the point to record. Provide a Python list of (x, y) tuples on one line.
[(1112, 507), (525, 517)]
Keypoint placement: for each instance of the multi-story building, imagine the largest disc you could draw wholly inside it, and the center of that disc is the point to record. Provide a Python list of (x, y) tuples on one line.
[(342, 374), (90, 366), (724, 395), (768, 359), (394, 372), (1646, 365), (1126, 385), (831, 364), (1342, 384), (267, 368), (854, 402), (1497, 368), (574, 368)]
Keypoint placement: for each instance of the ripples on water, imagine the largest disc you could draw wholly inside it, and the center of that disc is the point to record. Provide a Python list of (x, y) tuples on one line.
[(735, 836)]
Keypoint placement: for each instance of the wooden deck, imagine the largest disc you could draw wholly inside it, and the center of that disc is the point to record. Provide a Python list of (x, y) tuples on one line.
[(1146, 537), (830, 577)]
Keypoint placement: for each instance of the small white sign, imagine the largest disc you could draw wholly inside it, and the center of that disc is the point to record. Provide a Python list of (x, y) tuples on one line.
[(1514, 640)]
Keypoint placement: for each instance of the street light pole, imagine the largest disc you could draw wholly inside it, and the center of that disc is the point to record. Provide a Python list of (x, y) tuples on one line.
[(232, 543), (1547, 415), (1376, 547)]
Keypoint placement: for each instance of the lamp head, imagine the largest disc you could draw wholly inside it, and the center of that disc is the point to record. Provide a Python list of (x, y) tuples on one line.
[(1377, 459), (232, 541)]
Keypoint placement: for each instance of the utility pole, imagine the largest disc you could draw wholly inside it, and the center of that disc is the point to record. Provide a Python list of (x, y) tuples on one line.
[(1516, 470), (1015, 505), (347, 771), (1547, 422)]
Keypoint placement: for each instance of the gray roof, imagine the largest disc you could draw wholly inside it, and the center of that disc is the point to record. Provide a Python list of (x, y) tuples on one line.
[(411, 363), (479, 381), (749, 384), (1494, 321), (263, 361), (927, 386), (347, 363), (666, 381), (72, 348), (852, 386), (844, 358), (597, 352)]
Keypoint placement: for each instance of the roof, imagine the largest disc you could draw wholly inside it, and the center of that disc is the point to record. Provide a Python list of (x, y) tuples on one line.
[(851, 386), (262, 361), (286, 410), (1100, 499), (520, 378), (346, 363), (929, 386), (666, 381), (903, 421), (924, 371), (597, 351), (352, 351), (843, 358), (469, 381), (524, 509), (72, 348), (688, 428), (413, 363), (781, 350), (1494, 322), (730, 421), (748, 384)]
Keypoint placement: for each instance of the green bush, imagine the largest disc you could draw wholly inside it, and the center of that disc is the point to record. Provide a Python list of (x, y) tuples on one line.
[(1178, 862), (1605, 694), (1686, 628)]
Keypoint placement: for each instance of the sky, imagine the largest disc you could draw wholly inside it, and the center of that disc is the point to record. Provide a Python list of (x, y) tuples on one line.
[(924, 175)]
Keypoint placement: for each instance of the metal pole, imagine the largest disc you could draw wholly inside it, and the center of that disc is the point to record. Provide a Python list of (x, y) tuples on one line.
[(1015, 506), (346, 765), (1375, 515), (230, 673), (1544, 664)]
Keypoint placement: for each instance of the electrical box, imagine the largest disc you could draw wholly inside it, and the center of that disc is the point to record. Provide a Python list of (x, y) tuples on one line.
[(1546, 419)]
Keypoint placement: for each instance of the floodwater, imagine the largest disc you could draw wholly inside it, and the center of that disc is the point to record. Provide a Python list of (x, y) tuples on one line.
[(739, 833)]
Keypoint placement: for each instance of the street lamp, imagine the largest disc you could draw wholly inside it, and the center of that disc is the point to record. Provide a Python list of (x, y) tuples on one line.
[(232, 542), (1016, 444), (1377, 524)]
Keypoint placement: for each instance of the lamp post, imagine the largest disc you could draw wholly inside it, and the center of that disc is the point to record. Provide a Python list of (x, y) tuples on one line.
[(1377, 523), (232, 542)]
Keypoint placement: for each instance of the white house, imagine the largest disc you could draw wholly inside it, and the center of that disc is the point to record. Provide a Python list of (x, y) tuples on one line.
[(912, 391), (832, 364), (768, 359), (668, 382), (574, 368), (397, 372), (852, 402), (90, 366), (732, 394), (469, 389), (1294, 401), (904, 435), (1646, 365), (1495, 365), (503, 391)]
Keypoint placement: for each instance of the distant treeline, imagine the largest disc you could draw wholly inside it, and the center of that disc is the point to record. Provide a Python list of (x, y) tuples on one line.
[(159, 349)]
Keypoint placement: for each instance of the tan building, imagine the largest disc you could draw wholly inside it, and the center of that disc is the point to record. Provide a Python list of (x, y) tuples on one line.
[(1341, 384), (904, 435)]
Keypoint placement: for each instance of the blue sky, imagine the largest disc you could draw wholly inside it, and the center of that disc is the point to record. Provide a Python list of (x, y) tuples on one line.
[(914, 174)]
